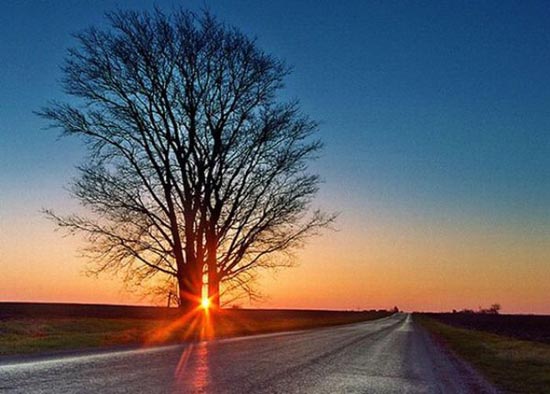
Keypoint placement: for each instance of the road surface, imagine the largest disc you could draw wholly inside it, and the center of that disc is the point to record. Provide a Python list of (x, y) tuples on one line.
[(390, 355)]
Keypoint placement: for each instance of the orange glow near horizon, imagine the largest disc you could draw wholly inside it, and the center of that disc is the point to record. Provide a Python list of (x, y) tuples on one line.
[(389, 258)]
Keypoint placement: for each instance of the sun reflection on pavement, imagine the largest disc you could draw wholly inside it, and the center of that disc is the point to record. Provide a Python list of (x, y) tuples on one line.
[(192, 372)]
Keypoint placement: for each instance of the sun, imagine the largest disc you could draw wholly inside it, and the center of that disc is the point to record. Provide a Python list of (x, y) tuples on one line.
[(205, 303)]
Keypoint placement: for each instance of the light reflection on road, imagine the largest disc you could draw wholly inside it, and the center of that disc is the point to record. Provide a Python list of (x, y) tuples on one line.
[(192, 371)]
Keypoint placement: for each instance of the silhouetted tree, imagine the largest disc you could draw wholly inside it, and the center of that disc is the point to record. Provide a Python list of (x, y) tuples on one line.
[(495, 308), (194, 166)]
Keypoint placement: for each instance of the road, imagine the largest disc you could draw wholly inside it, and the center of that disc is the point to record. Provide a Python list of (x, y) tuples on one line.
[(390, 355)]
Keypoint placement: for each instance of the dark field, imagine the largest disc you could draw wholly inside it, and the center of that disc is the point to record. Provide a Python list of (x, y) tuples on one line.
[(527, 327), (31, 328), (17, 310), (11, 310)]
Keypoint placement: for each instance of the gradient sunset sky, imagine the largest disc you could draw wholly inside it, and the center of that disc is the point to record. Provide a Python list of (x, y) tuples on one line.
[(436, 120)]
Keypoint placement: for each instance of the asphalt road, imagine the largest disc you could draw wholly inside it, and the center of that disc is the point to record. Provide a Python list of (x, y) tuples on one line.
[(390, 355)]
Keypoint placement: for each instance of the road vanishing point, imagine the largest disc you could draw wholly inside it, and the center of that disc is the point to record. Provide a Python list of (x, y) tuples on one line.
[(390, 355)]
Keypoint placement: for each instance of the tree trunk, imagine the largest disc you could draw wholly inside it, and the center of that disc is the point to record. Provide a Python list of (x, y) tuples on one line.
[(213, 295), (213, 286), (213, 277), (190, 288)]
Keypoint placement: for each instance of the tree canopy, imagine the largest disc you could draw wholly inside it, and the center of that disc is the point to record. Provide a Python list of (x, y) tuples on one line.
[(195, 165)]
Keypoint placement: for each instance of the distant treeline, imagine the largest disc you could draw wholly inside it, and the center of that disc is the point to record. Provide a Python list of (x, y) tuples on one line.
[(492, 310)]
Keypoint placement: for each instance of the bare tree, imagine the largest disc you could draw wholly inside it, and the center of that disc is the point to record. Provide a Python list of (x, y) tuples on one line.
[(495, 309), (195, 166)]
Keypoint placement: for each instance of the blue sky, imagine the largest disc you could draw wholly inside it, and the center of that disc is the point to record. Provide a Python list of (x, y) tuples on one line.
[(432, 100), (435, 111)]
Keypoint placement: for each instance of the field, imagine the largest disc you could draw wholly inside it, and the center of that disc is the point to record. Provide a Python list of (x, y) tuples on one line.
[(32, 328), (514, 364), (528, 327)]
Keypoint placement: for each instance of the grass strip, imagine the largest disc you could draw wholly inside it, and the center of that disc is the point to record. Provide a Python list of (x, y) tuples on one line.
[(513, 365), (35, 335)]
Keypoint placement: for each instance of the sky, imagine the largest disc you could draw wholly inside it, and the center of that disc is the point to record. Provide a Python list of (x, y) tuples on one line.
[(436, 123)]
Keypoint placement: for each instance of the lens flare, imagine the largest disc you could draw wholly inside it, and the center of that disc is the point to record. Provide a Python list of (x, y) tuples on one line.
[(205, 303)]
